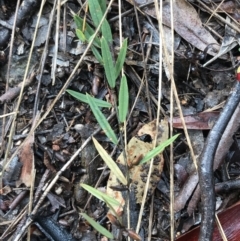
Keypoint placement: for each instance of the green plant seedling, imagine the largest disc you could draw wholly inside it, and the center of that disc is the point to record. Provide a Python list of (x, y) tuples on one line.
[(123, 99), (97, 9), (109, 162), (83, 98), (158, 149), (102, 121), (97, 226)]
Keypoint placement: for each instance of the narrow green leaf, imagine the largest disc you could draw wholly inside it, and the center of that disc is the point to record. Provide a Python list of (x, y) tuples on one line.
[(83, 98), (80, 35), (123, 99), (97, 54), (106, 31), (103, 5), (95, 11), (158, 149), (97, 226), (96, 42), (100, 195), (108, 63), (110, 163), (97, 14), (121, 57), (102, 121)]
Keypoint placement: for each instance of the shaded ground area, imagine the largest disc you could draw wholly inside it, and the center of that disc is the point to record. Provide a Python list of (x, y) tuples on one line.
[(46, 134)]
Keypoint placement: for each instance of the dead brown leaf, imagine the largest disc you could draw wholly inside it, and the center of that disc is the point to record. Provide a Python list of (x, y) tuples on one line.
[(186, 23), (136, 150), (26, 157)]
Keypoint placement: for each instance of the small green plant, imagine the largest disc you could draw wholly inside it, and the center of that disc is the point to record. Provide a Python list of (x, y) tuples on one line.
[(105, 57), (101, 50)]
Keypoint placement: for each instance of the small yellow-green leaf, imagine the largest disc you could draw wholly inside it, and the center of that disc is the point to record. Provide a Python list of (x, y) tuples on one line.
[(88, 31), (97, 226), (83, 98), (121, 57), (123, 99), (108, 63), (100, 195), (102, 121), (80, 35), (158, 149), (110, 163)]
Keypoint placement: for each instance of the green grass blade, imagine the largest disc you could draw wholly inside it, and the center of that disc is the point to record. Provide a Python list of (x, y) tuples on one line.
[(121, 57), (97, 54), (97, 226), (106, 31), (100, 195), (110, 163), (158, 149), (95, 11), (108, 63), (102, 121), (103, 5), (123, 99), (83, 98), (97, 14)]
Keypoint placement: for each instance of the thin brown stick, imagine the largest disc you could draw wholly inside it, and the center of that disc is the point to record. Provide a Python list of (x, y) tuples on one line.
[(8, 73)]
